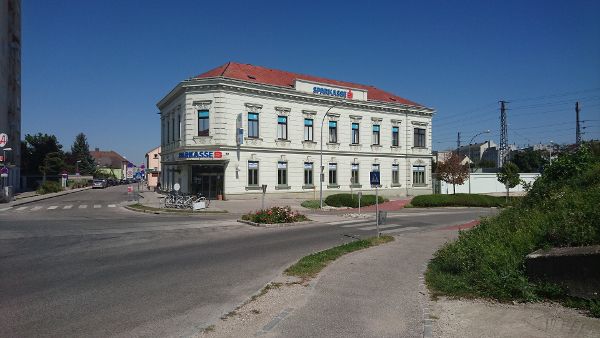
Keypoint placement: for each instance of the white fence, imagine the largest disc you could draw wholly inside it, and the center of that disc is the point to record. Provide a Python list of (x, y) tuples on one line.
[(484, 183)]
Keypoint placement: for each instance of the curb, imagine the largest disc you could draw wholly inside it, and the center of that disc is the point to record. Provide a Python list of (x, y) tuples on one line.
[(44, 197), (174, 212), (274, 225)]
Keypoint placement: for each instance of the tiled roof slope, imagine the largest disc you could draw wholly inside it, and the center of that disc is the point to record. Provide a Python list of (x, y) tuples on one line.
[(109, 159), (258, 74)]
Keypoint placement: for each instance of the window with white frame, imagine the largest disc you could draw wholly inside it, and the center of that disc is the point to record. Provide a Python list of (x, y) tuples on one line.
[(203, 123), (395, 174), (282, 173), (332, 131), (376, 134), (308, 130), (253, 173), (418, 174), (333, 174), (355, 133), (395, 136), (282, 130), (354, 178), (253, 127), (419, 139), (308, 173)]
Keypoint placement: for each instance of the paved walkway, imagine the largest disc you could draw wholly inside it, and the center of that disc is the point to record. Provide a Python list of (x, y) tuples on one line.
[(30, 197)]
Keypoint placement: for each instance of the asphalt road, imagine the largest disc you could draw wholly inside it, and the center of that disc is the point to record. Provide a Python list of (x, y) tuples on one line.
[(105, 271)]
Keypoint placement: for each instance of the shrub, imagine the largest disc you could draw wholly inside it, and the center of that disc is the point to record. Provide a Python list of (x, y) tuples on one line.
[(77, 184), (49, 187), (351, 201), (275, 215), (460, 200), (312, 204)]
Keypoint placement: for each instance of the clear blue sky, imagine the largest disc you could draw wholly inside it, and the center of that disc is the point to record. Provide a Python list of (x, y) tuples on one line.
[(99, 67)]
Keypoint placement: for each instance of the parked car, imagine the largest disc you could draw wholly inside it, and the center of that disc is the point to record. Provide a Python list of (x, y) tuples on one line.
[(99, 184)]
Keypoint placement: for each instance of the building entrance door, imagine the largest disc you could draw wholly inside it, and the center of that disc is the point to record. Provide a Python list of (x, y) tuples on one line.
[(208, 180)]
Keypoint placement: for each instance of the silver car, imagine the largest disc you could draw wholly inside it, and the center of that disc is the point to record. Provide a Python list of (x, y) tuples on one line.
[(99, 184)]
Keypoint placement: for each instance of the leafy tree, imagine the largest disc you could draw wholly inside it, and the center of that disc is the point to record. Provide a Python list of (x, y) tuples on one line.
[(53, 164), (486, 164), (34, 150), (452, 171), (80, 151), (509, 176), (530, 161)]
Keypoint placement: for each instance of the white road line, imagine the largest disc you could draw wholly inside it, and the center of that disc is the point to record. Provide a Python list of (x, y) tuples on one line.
[(111, 205), (36, 208), (400, 230), (97, 206), (68, 206), (385, 227), (52, 207), (83, 206), (4, 209), (21, 208)]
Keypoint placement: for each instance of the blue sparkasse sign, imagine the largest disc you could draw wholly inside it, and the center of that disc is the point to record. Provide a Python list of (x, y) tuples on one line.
[(375, 178)]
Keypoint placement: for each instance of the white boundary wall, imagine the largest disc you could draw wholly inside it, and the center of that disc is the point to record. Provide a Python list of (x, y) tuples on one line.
[(486, 183)]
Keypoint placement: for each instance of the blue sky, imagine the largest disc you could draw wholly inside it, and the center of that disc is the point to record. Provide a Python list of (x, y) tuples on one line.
[(99, 67)]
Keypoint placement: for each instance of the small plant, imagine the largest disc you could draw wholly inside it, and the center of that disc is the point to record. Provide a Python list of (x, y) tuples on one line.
[(275, 215), (351, 201), (312, 204), (49, 187)]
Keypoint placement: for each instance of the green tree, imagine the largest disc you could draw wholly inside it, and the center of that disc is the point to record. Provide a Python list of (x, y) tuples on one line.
[(80, 151), (34, 150), (509, 176), (452, 171), (53, 164), (530, 161)]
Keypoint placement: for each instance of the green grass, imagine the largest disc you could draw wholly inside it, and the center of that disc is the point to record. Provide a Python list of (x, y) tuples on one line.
[(462, 200), (351, 200), (489, 261), (309, 266), (312, 204)]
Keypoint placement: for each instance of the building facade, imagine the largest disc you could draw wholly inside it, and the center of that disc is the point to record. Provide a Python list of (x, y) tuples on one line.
[(238, 127), (153, 167), (109, 162), (10, 89)]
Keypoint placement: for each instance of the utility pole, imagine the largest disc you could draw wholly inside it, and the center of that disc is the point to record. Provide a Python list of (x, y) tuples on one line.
[(577, 129), (458, 144), (503, 135)]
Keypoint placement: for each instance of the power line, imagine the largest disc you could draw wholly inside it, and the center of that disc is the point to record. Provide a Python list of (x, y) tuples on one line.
[(556, 95)]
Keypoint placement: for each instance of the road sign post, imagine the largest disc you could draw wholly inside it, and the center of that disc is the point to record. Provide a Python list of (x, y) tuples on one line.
[(264, 191), (376, 181)]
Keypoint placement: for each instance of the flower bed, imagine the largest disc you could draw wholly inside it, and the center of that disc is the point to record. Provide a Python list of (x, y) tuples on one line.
[(275, 215)]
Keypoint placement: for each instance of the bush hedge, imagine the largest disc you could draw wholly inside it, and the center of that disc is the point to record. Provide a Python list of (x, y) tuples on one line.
[(561, 209), (49, 187), (351, 200), (461, 200), (275, 215)]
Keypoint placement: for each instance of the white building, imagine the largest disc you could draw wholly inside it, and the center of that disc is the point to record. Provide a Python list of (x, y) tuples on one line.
[(237, 127)]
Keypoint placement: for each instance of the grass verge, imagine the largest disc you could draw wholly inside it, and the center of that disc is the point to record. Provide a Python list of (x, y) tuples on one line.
[(462, 200), (144, 208), (309, 266)]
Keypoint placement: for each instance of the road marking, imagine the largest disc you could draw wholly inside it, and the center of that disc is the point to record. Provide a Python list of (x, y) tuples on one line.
[(97, 206), (68, 206), (21, 208), (111, 205), (385, 227), (358, 224), (52, 207), (4, 209), (36, 208), (83, 206), (400, 230)]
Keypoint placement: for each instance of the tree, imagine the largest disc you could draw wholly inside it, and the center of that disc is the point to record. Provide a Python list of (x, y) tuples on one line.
[(53, 164), (452, 171), (80, 151), (34, 150), (529, 161), (509, 176)]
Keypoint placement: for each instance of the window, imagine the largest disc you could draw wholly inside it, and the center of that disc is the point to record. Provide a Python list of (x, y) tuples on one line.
[(282, 128), (253, 125), (168, 135), (354, 180), (375, 167), (395, 174), (395, 136), (418, 175), (355, 133), (419, 138), (376, 134), (308, 129), (332, 173), (308, 173), (332, 132), (173, 129), (162, 134), (203, 123), (252, 173), (178, 127), (281, 173)]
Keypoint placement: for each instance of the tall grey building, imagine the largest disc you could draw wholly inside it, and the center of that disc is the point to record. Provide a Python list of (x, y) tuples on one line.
[(10, 86)]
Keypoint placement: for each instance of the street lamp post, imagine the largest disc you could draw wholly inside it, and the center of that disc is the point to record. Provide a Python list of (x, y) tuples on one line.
[(321, 175), (77, 167), (470, 159)]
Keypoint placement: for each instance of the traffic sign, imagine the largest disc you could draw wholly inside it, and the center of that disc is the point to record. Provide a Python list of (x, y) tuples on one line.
[(142, 167), (375, 178), (4, 172), (3, 140)]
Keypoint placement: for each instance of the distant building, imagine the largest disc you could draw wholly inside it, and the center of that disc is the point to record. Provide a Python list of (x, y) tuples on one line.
[(153, 167), (485, 151), (110, 162), (10, 88)]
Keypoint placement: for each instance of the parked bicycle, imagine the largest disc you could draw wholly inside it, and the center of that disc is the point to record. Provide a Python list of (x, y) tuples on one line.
[(179, 200)]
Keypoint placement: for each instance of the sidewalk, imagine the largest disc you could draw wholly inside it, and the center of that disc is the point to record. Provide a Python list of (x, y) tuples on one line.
[(30, 197)]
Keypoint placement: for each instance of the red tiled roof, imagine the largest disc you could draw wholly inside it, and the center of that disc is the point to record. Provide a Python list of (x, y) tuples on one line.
[(258, 74), (110, 159)]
